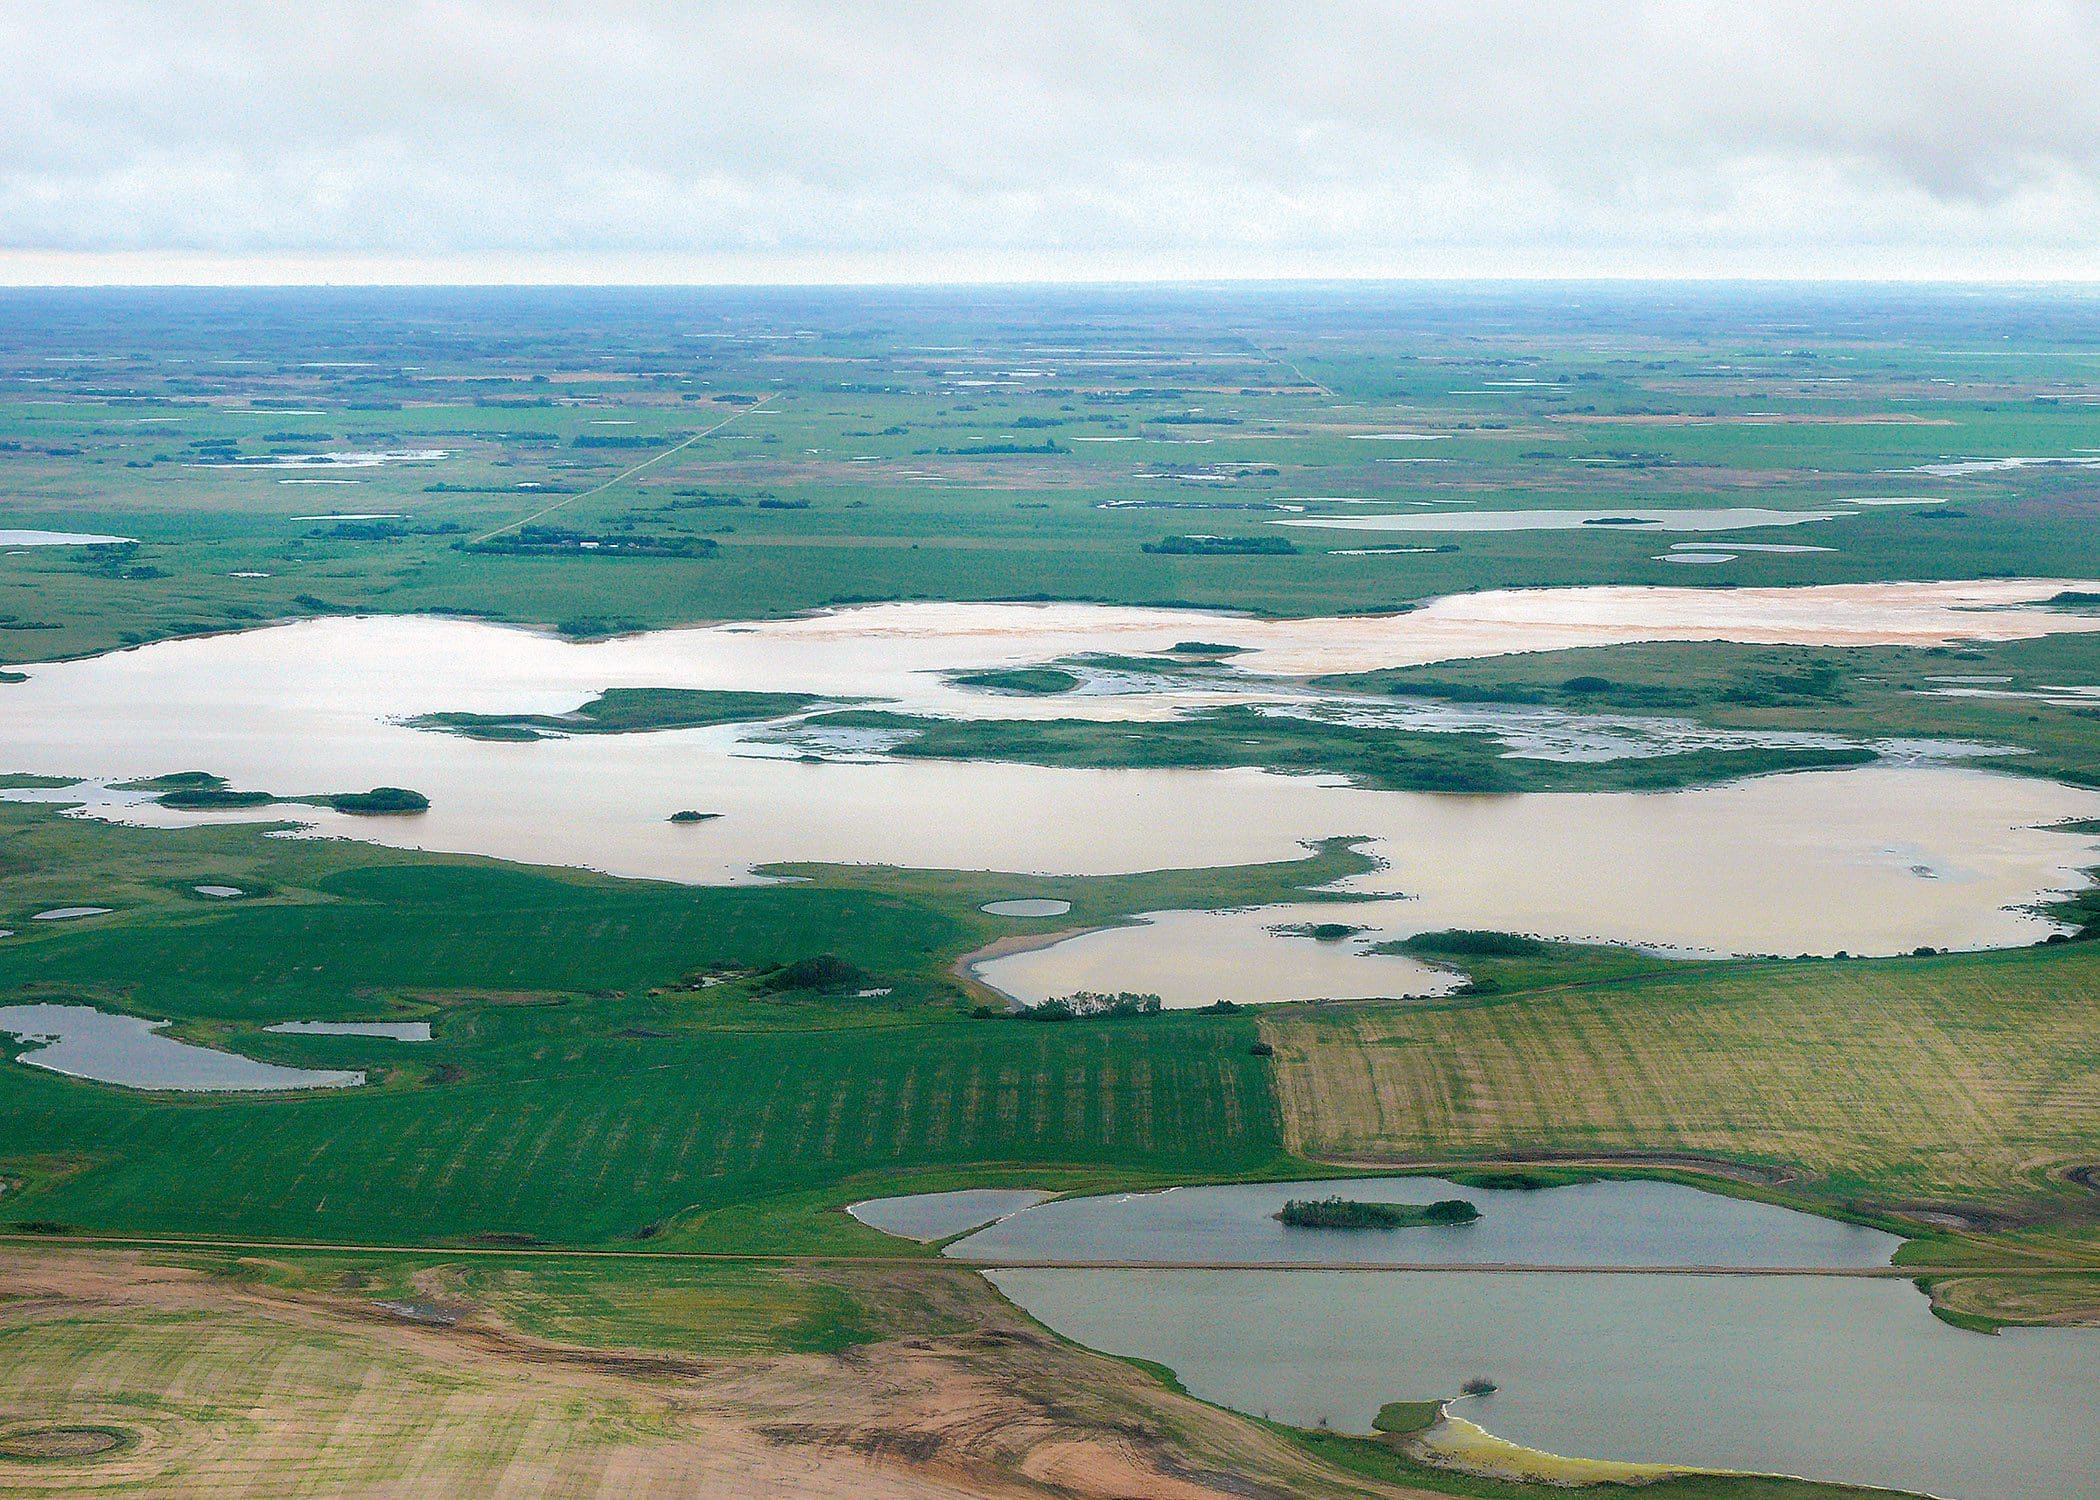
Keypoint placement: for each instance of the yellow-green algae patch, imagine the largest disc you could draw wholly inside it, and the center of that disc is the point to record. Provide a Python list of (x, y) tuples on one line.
[(1455, 1443)]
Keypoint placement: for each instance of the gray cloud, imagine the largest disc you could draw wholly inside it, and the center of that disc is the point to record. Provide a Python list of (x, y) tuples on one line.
[(690, 141)]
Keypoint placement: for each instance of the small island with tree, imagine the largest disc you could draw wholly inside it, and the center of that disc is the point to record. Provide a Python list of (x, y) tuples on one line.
[(1338, 1212), (380, 801), (200, 791)]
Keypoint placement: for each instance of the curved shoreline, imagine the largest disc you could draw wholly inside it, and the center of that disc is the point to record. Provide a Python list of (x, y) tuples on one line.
[(1498, 1457), (965, 967)]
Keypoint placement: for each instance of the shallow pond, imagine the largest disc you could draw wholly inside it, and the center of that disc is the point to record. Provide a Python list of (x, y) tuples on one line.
[(396, 1031), (11, 538), (1777, 548), (83, 1042), (1629, 1223), (1959, 467), (1194, 958), (1026, 906), (1824, 1376), (934, 1216), (1721, 518), (339, 460)]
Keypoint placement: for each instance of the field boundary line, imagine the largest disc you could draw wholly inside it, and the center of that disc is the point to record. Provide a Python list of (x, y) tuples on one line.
[(1046, 1263), (624, 474)]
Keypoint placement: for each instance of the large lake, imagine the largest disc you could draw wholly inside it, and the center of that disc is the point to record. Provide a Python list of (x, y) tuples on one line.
[(1800, 863), (1821, 1376), (1586, 1224)]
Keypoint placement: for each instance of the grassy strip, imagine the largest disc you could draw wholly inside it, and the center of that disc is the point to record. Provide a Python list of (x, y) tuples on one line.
[(1019, 680), (1986, 1304), (626, 711), (200, 791), (1390, 759)]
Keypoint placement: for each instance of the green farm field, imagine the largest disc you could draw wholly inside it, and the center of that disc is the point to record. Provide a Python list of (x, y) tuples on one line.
[(584, 1087), (1956, 1082)]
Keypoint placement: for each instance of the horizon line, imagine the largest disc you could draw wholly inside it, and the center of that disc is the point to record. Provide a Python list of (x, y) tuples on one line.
[(1673, 279)]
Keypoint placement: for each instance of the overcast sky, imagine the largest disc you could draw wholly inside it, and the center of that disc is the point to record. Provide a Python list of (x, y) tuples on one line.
[(900, 140)]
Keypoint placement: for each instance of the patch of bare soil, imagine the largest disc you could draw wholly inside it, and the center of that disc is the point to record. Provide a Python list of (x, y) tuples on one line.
[(1978, 1218), (1005, 1410)]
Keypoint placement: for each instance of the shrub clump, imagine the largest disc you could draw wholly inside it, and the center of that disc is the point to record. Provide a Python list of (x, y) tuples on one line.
[(200, 790), (824, 973), (1020, 680)]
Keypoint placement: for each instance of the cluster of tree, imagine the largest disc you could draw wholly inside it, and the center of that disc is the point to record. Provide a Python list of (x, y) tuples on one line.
[(382, 531), (1222, 546), (1338, 1212), (553, 541), (442, 488), (973, 450), (616, 440), (381, 799), (1088, 1005)]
